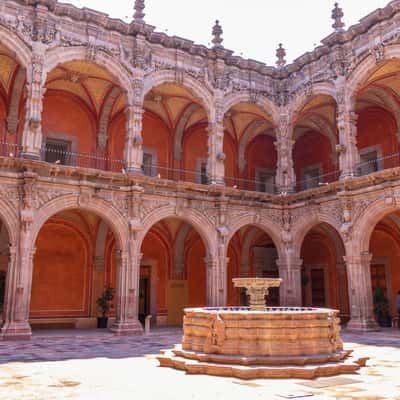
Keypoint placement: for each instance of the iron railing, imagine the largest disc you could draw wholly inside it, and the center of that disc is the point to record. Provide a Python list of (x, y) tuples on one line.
[(101, 162)]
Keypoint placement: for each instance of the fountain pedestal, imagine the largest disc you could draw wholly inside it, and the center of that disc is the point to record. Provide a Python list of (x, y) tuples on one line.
[(257, 289), (263, 342)]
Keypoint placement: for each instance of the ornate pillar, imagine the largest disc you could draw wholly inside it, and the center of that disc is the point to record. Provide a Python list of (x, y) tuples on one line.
[(216, 155), (216, 281), (32, 134), (133, 152), (285, 176), (349, 157), (290, 289), (127, 295), (18, 291), (360, 293)]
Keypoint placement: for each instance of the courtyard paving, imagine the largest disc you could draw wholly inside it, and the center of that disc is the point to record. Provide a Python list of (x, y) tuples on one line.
[(92, 365)]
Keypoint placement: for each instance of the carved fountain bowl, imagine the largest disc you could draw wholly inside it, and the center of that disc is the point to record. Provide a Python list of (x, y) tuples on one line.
[(275, 332)]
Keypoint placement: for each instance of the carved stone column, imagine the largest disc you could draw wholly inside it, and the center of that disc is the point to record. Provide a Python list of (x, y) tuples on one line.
[(133, 153), (216, 155), (127, 295), (360, 293), (285, 175), (32, 134), (18, 291), (349, 157), (216, 281), (290, 272)]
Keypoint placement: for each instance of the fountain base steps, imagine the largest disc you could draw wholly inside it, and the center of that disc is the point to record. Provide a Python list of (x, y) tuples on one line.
[(299, 367)]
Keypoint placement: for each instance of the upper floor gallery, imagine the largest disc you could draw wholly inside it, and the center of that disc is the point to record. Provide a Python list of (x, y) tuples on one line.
[(81, 89)]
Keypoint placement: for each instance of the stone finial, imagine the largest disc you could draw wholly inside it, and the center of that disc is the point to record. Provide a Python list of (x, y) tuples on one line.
[(280, 54), (139, 14), (217, 33), (337, 15)]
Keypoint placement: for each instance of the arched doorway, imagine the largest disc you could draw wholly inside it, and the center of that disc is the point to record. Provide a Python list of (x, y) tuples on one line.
[(315, 135), (74, 252), (384, 247), (172, 271), (324, 278), (251, 253)]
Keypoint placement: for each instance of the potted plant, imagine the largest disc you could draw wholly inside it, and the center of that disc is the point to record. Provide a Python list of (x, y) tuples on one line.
[(381, 308), (104, 304)]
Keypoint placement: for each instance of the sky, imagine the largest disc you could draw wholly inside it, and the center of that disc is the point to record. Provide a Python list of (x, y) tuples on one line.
[(252, 28)]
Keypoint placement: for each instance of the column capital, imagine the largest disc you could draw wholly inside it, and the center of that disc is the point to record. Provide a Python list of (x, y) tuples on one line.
[(362, 258)]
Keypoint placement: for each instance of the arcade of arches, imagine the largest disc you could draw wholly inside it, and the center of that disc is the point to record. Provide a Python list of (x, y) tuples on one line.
[(165, 169)]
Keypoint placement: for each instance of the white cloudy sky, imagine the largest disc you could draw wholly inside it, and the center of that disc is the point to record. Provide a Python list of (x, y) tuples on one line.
[(252, 28)]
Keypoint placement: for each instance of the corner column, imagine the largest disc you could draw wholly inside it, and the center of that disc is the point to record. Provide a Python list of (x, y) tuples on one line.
[(133, 152), (285, 175), (290, 289), (32, 133), (127, 296), (360, 293)]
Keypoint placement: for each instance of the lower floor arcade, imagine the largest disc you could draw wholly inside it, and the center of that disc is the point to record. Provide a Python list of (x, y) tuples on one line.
[(77, 255)]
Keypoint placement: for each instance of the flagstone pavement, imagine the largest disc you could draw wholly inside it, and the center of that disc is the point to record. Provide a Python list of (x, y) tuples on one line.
[(93, 365)]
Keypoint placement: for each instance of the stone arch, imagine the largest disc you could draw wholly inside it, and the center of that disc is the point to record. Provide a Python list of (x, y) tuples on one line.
[(197, 220), (367, 222), (61, 55), (308, 222), (265, 104), (102, 208), (266, 225), (366, 67), (22, 51), (199, 90), (304, 97), (9, 216)]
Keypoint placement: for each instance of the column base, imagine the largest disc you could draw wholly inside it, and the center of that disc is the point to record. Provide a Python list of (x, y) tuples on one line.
[(359, 325), (134, 171), (30, 156), (217, 182), (16, 331), (130, 328)]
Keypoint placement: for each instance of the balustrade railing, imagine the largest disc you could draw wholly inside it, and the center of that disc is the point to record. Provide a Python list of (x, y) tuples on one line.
[(56, 156)]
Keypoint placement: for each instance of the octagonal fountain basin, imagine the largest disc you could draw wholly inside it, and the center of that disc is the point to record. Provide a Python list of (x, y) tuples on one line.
[(278, 342)]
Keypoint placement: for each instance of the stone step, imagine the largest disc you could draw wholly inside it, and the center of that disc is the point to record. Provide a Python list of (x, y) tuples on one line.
[(348, 366)]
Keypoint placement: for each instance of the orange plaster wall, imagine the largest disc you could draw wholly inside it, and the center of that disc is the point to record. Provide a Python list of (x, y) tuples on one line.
[(65, 114), (384, 244), (3, 116), (155, 250), (260, 153), (376, 126), (310, 149), (156, 136), (194, 148), (231, 166), (318, 249), (61, 273), (116, 141), (196, 275)]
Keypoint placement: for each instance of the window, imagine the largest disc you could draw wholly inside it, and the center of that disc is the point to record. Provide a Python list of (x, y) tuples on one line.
[(265, 181), (148, 164), (203, 173), (311, 178), (58, 151), (369, 162)]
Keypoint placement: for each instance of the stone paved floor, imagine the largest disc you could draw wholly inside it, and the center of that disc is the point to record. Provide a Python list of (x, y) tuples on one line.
[(55, 365)]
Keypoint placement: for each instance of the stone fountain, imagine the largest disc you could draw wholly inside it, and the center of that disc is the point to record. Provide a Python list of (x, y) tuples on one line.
[(261, 342)]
